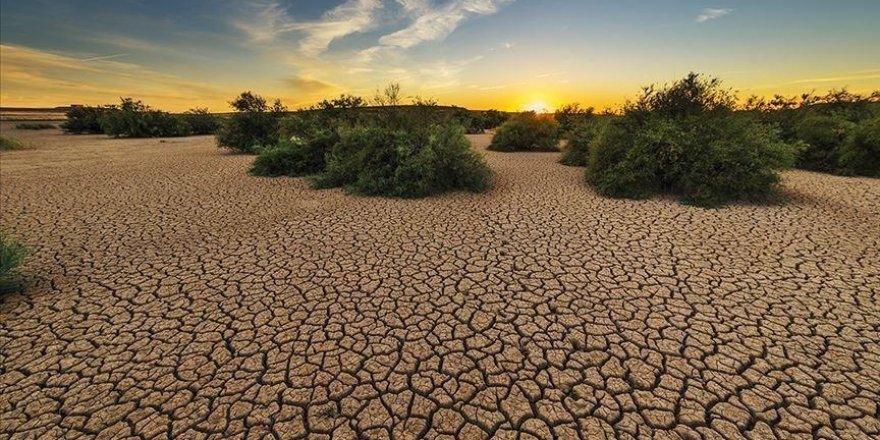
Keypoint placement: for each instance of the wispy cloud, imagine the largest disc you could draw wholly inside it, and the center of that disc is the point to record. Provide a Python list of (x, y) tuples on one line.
[(431, 23), (712, 13), (306, 85), (271, 20), (105, 57)]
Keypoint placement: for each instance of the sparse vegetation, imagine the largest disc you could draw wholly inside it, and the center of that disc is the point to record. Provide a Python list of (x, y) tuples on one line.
[(822, 125), (392, 151), (577, 151), (527, 131), (34, 126), (860, 153), (135, 119), (9, 144), (571, 116), (200, 121), (84, 120), (383, 161), (686, 139), (12, 254), (253, 126)]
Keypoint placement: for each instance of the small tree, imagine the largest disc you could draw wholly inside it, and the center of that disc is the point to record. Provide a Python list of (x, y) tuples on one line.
[(253, 126)]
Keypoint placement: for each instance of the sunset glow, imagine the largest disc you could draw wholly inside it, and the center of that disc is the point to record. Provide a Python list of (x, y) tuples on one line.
[(474, 53)]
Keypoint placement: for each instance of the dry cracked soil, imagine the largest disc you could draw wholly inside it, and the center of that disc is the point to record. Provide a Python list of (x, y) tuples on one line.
[(172, 295)]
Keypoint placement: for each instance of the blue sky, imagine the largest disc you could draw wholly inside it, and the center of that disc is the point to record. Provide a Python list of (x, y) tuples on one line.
[(508, 54)]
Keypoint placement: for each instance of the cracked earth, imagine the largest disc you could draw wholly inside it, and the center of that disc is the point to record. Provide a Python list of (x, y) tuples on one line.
[(172, 295)]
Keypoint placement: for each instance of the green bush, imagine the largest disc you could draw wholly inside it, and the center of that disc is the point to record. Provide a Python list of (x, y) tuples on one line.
[(577, 151), (860, 154), (572, 116), (8, 144), (686, 139), (823, 136), (527, 132), (84, 120), (134, 119), (253, 125), (295, 156), (12, 254), (493, 119), (200, 121), (393, 162), (34, 126)]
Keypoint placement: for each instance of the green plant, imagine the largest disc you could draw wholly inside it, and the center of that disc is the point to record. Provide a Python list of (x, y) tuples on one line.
[(12, 254), (84, 120), (8, 144), (577, 151), (571, 116), (253, 124), (685, 139), (296, 156), (393, 162), (34, 126), (135, 119), (823, 136), (201, 121), (860, 153), (527, 132)]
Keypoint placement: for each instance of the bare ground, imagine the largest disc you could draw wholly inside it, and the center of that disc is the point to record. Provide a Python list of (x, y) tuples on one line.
[(173, 295)]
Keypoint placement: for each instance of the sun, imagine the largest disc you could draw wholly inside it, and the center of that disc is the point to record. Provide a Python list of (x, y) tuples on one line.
[(537, 107)]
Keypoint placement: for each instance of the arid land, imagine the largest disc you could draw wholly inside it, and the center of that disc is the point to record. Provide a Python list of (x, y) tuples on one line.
[(172, 295)]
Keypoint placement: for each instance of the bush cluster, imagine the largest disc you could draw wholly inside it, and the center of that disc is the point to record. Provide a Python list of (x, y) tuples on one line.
[(826, 127), (376, 160), (12, 254), (527, 131), (84, 120), (390, 150), (577, 150), (686, 139), (572, 116), (253, 126), (137, 120), (34, 126), (134, 119)]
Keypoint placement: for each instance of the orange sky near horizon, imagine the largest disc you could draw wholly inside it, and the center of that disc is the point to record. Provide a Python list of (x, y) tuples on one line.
[(480, 54)]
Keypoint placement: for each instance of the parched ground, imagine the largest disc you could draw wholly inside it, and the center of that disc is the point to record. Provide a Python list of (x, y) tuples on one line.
[(173, 295)]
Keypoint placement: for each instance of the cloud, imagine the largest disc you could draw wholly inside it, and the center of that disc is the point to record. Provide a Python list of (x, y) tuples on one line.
[(272, 20), (431, 23), (712, 13), (306, 84), (105, 57)]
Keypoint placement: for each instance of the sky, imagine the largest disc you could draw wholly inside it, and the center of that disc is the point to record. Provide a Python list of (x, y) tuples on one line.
[(505, 54)]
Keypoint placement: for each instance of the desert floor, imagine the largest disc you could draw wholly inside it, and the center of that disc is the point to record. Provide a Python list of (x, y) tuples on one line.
[(173, 295)]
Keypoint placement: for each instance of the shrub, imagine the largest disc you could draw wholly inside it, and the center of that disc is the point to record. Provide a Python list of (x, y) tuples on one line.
[(393, 162), (527, 132), (571, 116), (860, 153), (134, 119), (295, 156), (12, 254), (34, 126), (253, 125), (493, 119), (685, 139), (577, 150), (200, 121), (823, 136), (8, 144), (84, 120)]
